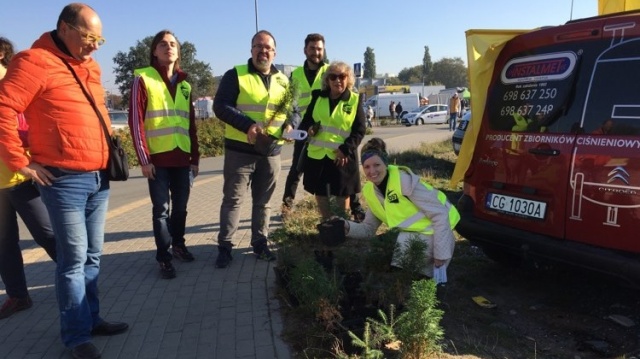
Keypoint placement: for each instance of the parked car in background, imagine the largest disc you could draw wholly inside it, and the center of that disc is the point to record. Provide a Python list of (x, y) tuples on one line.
[(458, 135), (426, 114), (119, 119)]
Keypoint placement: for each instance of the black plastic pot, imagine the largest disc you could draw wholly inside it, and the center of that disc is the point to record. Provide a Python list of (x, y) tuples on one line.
[(332, 233)]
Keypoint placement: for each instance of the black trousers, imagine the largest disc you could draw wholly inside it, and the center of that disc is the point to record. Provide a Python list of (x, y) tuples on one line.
[(294, 176)]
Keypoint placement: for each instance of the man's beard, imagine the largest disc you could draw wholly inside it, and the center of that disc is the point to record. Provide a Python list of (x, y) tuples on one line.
[(315, 60), (262, 65)]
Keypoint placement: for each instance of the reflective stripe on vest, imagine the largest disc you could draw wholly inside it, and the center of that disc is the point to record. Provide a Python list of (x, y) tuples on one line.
[(298, 76), (259, 104), (334, 128), (405, 215), (166, 122)]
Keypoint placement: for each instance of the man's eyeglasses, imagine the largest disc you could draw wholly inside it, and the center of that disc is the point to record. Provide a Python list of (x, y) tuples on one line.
[(88, 37), (333, 77), (263, 47)]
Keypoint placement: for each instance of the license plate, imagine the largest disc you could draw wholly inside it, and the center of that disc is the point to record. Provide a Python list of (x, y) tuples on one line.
[(516, 206)]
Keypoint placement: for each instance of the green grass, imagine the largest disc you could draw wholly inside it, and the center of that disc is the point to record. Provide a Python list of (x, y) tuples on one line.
[(323, 335)]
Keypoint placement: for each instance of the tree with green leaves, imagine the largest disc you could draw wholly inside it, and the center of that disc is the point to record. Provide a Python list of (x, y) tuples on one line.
[(369, 64), (451, 72), (200, 74), (410, 75), (427, 65)]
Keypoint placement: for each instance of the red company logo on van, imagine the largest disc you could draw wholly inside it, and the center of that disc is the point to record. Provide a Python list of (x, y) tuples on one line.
[(548, 67)]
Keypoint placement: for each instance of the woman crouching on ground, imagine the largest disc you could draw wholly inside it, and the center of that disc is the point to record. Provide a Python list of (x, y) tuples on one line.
[(400, 199)]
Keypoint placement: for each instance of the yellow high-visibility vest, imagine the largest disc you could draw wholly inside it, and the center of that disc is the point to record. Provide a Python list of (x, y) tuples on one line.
[(298, 76), (8, 178), (166, 122), (397, 211), (259, 103), (334, 127)]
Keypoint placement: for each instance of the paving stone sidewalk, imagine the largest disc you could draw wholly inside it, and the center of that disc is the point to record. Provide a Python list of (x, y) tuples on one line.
[(203, 313)]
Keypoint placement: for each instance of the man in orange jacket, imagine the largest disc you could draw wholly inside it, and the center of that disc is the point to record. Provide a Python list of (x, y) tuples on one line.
[(68, 159)]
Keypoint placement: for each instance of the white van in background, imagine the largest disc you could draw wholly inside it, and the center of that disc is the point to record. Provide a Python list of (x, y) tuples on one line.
[(380, 103), (203, 107)]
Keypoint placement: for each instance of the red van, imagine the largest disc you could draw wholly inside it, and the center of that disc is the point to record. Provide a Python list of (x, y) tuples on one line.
[(555, 174)]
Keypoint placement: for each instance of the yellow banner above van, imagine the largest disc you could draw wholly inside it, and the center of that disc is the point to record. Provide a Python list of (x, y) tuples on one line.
[(483, 48), (611, 6)]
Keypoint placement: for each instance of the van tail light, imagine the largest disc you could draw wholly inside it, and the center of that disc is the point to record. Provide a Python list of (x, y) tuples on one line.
[(577, 35)]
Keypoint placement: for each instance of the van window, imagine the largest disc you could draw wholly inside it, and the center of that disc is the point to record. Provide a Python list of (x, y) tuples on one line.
[(533, 91), (541, 91)]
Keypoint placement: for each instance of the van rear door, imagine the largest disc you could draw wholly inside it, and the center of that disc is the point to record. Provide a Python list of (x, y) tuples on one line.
[(558, 152), (520, 172), (604, 197)]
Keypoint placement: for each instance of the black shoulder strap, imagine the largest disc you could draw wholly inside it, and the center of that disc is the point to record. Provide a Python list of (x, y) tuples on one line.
[(92, 102)]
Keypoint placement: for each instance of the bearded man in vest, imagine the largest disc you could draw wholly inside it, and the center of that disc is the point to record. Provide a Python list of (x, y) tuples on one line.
[(246, 101), (308, 77), (164, 134)]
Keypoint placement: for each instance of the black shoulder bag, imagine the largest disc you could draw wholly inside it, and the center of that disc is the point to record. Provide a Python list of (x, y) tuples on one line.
[(118, 165)]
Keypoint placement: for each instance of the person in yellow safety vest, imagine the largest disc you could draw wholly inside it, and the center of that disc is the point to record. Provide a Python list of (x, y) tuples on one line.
[(164, 134), (336, 124), (309, 78), (246, 100), (19, 195), (400, 199)]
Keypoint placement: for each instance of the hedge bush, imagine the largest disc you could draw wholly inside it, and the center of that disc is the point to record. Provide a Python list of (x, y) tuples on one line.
[(210, 138)]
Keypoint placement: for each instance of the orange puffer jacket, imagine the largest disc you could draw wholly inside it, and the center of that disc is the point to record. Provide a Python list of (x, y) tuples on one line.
[(64, 130)]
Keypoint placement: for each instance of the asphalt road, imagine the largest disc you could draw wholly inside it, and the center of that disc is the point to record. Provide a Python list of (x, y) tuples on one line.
[(134, 192)]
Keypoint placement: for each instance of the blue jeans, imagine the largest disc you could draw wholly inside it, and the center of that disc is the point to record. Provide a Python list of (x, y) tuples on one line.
[(169, 193), (241, 172), (77, 204), (24, 200), (453, 118)]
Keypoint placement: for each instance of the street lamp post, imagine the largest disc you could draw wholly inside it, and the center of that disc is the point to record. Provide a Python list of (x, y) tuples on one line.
[(255, 5), (571, 14)]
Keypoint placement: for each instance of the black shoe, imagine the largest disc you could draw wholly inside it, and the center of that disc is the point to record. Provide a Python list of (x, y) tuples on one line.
[(14, 305), (85, 351), (287, 202), (109, 328), (262, 252), (182, 253), (224, 257), (167, 270), (285, 211)]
